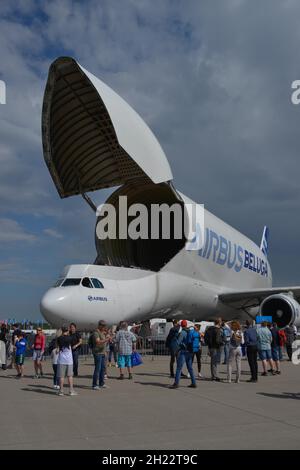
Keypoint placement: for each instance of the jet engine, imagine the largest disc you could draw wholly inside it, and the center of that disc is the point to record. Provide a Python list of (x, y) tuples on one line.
[(283, 308)]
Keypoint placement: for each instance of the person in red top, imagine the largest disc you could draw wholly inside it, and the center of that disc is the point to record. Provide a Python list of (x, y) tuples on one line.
[(38, 352), (282, 341)]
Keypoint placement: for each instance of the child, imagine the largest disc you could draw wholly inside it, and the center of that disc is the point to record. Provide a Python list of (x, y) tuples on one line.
[(20, 344), (53, 350)]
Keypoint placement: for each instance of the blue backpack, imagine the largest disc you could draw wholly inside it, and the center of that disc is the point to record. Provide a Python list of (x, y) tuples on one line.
[(191, 342)]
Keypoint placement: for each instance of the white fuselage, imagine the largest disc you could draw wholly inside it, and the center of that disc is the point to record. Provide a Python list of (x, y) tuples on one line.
[(187, 286)]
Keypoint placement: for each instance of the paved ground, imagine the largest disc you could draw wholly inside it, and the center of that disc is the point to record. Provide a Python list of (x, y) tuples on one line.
[(145, 414)]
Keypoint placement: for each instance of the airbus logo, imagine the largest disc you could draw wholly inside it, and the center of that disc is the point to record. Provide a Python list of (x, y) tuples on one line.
[(92, 298)]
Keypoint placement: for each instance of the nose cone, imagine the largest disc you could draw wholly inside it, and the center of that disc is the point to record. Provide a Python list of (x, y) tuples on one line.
[(56, 307)]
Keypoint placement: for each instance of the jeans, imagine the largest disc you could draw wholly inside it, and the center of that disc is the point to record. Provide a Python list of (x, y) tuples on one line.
[(99, 371), (184, 357), (75, 354), (235, 354), (252, 360), (55, 376), (214, 361), (226, 353)]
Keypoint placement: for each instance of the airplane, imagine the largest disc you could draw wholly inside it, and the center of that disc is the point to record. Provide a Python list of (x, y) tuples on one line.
[(93, 139)]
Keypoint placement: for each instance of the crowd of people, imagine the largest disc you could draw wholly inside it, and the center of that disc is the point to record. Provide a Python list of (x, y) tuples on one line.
[(64, 350), (265, 341)]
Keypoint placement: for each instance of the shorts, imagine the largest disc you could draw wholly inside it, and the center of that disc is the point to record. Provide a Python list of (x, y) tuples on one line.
[(20, 359), (124, 360), (64, 370), (276, 353), (37, 355), (265, 354)]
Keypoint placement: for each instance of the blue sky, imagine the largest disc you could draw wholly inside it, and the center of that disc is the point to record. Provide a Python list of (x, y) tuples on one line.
[(213, 82)]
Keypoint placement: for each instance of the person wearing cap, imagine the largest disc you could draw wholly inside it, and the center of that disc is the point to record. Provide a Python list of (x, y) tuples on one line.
[(185, 356)]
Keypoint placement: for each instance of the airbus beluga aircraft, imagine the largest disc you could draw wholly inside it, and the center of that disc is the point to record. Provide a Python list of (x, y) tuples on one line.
[(92, 139)]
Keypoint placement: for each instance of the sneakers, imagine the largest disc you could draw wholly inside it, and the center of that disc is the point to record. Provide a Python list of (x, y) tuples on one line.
[(278, 372), (60, 393), (200, 375), (121, 377), (105, 376), (96, 387), (36, 376), (192, 386), (103, 386), (252, 381), (56, 387), (73, 393), (130, 377), (264, 374)]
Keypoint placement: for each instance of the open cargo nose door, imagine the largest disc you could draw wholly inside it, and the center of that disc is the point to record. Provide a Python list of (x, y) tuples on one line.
[(92, 138)]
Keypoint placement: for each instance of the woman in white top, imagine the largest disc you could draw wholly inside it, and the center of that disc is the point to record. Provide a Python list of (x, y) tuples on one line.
[(235, 351)]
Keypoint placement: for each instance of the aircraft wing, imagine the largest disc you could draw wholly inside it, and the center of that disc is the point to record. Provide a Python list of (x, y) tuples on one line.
[(253, 298)]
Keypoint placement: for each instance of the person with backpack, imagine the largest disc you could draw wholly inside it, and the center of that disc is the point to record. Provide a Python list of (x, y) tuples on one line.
[(185, 355), (213, 339), (172, 345), (197, 350), (235, 351), (226, 335)]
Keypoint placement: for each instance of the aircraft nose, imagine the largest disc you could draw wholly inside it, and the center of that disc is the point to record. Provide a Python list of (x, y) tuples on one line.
[(55, 307)]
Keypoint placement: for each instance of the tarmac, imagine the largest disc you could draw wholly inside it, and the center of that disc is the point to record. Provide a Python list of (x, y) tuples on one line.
[(146, 414)]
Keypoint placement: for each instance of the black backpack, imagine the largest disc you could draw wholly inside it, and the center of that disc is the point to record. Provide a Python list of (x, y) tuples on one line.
[(173, 333), (52, 345), (209, 336)]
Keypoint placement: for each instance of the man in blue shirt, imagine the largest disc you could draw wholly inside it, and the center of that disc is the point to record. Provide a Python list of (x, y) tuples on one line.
[(20, 344), (185, 355), (250, 338)]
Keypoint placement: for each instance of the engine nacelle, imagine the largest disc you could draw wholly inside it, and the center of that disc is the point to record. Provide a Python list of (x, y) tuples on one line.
[(283, 308)]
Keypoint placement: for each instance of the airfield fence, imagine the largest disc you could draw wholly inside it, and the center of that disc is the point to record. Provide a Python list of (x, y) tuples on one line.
[(149, 346)]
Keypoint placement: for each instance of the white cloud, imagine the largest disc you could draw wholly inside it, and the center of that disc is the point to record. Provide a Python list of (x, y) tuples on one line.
[(12, 231), (52, 233)]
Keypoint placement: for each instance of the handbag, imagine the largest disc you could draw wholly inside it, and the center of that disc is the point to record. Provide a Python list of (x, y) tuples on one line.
[(136, 359)]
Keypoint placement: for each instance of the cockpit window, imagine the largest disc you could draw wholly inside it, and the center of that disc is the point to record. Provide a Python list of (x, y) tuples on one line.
[(86, 282), (97, 284), (58, 283), (71, 282)]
